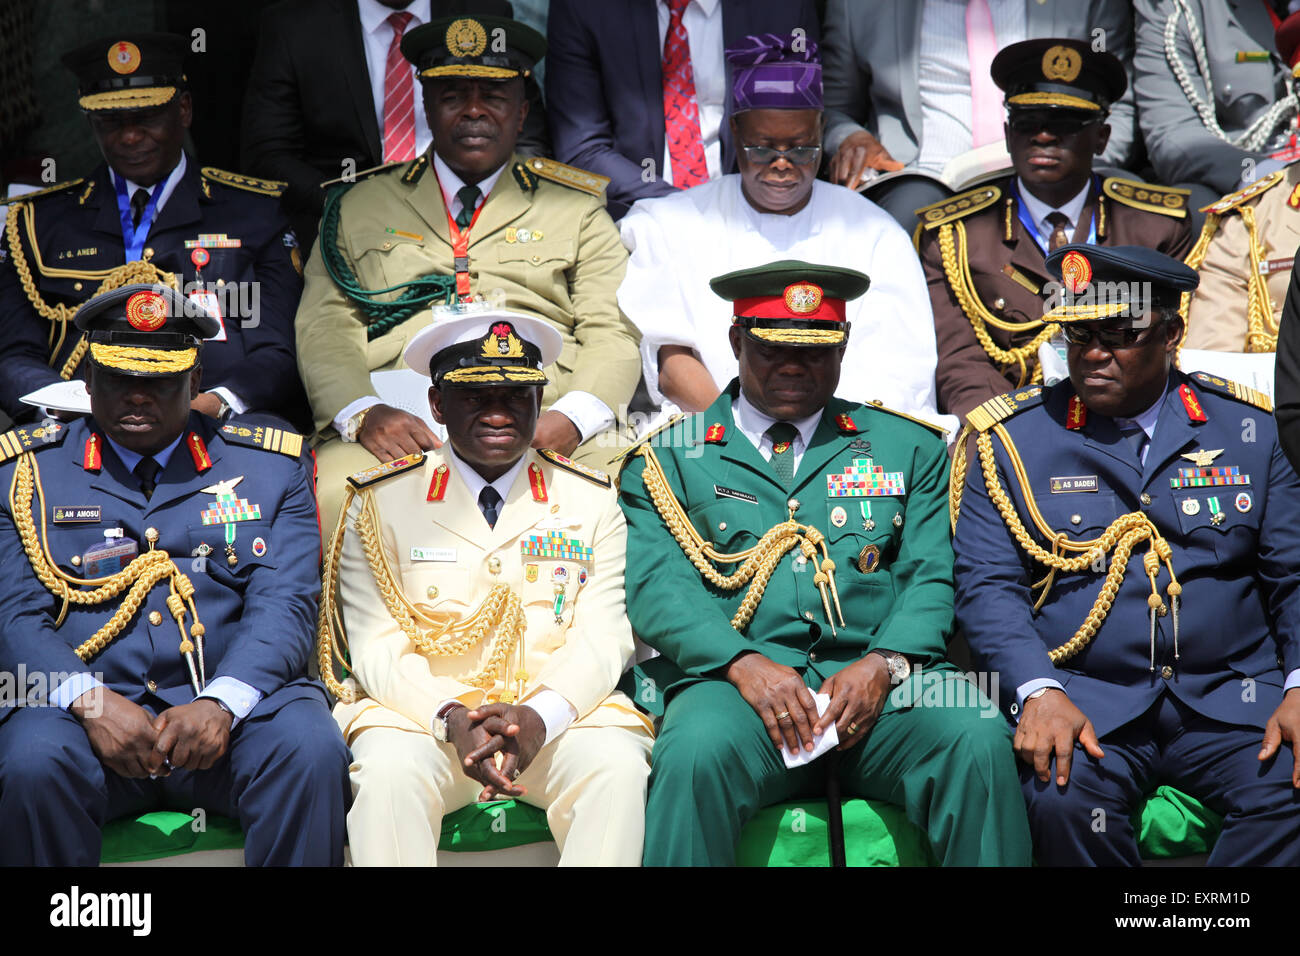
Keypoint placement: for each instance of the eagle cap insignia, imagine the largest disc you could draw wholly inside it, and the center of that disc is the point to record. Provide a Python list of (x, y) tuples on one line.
[(801, 298), (1062, 63), (466, 37), (501, 342)]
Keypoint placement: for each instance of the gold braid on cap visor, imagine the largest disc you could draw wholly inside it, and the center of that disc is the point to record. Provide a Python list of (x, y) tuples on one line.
[(130, 358), (799, 336), (1053, 99), (128, 99)]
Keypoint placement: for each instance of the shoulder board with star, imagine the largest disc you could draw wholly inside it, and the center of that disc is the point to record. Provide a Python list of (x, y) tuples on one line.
[(48, 191), (1004, 406), (557, 172), (353, 178), (389, 469), (259, 436), (591, 474), (31, 438), (959, 206), (1165, 200), (878, 406), (263, 187), (1231, 389), (1245, 194)]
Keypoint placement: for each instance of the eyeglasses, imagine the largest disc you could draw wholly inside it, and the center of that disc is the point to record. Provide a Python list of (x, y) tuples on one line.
[(1110, 339), (1055, 126), (766, 155)]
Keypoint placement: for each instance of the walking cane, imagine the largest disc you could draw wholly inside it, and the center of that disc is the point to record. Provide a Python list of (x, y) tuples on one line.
[(835, 819)]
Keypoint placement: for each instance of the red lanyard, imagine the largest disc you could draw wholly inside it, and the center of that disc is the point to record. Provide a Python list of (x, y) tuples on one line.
[(460, 244)]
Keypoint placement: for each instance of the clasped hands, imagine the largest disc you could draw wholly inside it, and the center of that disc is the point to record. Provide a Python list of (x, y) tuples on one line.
[(782, 700), (389, 433), (132, 743), (514, 731)]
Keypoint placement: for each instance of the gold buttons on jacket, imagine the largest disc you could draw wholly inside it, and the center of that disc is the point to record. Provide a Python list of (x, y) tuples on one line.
[(431, 591), (153, 688), (808, 615), (722, 526), (1166, 672), (1076, 519), (155, 618), (1145, 498), (999, 303), (494, 564), (151, 535), (75, 560)]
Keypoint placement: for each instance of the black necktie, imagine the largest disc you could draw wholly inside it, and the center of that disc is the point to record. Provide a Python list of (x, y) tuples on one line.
[(139, 199), (1058, 238), (782, 435), (1136, 436), (146, 469), (489, 502), (468, 196)]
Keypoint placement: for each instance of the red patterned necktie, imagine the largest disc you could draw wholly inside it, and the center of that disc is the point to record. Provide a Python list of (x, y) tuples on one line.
[(399, 96), (681, 113)]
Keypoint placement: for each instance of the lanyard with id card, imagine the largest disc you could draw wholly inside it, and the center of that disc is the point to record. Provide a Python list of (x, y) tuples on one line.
[(111, 555)]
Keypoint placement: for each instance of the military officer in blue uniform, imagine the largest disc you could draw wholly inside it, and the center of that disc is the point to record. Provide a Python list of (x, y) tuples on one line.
[(159, 608), (149, 212), (1127, 547)]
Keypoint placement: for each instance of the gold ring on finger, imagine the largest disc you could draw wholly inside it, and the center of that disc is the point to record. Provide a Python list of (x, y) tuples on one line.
[(853, 729), (784, 715)]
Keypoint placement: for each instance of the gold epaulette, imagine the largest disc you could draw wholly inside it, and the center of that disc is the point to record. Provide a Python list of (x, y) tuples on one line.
[(359, 175), (31, 438), (41, 193), (259, 436), (570, 176), (263, 187), (958, 206), (1242, 393), (1004, 406), (939, 430), (591, 474), (1165, 200), (1245, 194), (377, 473)]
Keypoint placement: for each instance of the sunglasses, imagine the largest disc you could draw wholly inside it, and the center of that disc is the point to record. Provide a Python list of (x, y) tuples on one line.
[(1059, 127), (1110, 339), (766, 155)]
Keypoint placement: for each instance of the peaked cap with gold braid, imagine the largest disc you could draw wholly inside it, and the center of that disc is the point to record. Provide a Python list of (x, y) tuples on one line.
[(146, 330), (792, 302)]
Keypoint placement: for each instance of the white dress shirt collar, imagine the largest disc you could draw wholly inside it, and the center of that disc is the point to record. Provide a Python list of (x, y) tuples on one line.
[(1039, 210), (168, 184), (452, 184), (753, 424), (374, 15), (477, 482)]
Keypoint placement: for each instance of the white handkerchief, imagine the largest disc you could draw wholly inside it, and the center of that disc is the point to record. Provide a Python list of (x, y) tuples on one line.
[(820, 744)]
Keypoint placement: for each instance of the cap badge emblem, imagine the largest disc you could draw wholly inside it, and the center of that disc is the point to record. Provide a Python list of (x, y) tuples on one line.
[(124, 57), (466, 37), (803, 297), (502, 342), (1076, 271), (146, 311), (1062, 63)]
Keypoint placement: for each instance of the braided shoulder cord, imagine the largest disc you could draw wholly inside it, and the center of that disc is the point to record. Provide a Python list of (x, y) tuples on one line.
[(952, 236), (435, 635), (1122, 535), (756, 563), (1261, 331), (382, 315), (1259, 132), (137, 578)]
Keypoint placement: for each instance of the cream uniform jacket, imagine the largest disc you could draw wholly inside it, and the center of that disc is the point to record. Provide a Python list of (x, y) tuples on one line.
[(1248, 247), (393, 228), (443, 555)]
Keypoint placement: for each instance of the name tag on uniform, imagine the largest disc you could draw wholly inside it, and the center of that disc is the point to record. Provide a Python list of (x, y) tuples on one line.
[(70, 514), (433, 554), (1074, 483), (207, 301), (722, 492), (1268, 266)]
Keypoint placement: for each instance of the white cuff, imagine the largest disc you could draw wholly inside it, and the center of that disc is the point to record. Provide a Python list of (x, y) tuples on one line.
[(1292, 680), (1029, 686), (67, 693), (234, 401), (556, 712), (351, 408), (588, 413), (235, 694)]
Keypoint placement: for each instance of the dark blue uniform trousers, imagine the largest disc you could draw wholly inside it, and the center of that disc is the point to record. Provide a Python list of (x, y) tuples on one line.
[(284, 778), (1087, 823)]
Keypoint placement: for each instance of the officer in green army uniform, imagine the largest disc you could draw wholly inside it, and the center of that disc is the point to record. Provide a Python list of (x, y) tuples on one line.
[(468, 218), (784, 542)]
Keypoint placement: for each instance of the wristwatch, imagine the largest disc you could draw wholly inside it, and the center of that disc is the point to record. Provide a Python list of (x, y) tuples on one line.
[(352, 427), (440, 721), (225, 411), (900, 668)]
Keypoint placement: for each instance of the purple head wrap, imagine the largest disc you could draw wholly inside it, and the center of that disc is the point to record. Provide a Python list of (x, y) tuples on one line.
[(772, 72)]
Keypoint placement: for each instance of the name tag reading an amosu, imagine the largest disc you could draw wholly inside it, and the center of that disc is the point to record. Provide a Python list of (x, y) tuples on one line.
[(69, 514), (1074, 483)]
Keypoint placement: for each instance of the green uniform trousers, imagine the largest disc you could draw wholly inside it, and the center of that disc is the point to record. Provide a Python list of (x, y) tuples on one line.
[(951, 769)]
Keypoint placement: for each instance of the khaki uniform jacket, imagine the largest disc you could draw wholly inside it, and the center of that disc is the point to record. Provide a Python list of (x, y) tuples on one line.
[(442, 555), (393, 228), (1265, 216), (1007, 270)]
